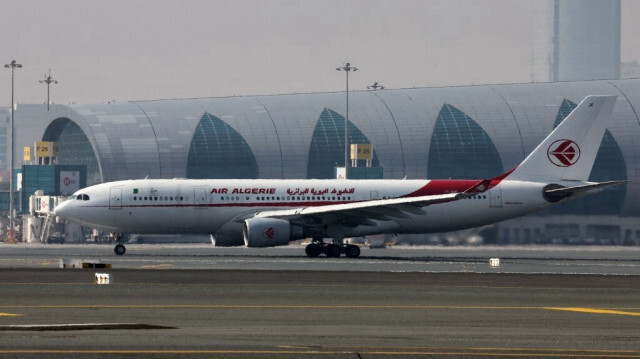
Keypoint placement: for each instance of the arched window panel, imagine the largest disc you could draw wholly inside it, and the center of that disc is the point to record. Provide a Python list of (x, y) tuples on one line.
[(460, 148), (609, 165), (75, 148), (327, 145), (565, 109), (219, 151)]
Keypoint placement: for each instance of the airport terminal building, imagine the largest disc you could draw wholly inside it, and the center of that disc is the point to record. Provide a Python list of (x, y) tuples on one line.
[(451, 132)]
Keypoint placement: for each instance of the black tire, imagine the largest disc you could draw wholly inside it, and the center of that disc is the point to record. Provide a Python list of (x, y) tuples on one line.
[(352, 251), (313, 250), (333, 251), (119, 250)]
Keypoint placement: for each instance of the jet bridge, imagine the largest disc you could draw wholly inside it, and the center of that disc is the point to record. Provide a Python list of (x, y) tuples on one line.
[(41, 225)]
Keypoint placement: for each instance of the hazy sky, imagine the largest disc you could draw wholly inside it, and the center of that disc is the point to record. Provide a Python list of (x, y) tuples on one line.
[(152, 49)]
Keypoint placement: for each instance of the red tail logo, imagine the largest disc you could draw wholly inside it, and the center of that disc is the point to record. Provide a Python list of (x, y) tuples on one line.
[(563, 153)]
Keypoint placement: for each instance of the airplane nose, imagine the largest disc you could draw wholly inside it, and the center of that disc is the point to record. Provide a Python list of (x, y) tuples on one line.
[(59, 210)]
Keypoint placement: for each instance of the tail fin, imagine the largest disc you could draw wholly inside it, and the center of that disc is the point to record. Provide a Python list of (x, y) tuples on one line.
[(569, 151)]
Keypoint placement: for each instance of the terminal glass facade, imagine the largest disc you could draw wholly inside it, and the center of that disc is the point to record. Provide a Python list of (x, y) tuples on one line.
[(219, 151), (75, 148), (460, 148), (327, 145)]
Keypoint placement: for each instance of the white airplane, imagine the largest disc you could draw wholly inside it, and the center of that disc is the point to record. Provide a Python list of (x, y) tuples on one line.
[(268, 213)]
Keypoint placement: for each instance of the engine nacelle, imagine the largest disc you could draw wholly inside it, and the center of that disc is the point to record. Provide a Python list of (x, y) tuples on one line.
[(269, 232), (226, 240), (229, 235)]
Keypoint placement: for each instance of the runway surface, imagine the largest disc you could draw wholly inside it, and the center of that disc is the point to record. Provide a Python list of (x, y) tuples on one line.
[(427, 302), (523, 259)]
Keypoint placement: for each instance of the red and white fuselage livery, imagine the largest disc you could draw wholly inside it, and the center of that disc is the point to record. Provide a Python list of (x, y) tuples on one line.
[(267, 213)]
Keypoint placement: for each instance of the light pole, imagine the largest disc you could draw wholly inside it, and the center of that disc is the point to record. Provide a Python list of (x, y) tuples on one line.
[(13, 65), (48, 80), (346, 68)]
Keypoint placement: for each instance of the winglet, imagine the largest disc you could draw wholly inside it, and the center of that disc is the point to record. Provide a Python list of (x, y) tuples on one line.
[(479, 187)]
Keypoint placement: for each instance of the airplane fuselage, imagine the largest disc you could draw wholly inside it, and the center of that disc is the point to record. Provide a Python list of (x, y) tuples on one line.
[(205, 206)]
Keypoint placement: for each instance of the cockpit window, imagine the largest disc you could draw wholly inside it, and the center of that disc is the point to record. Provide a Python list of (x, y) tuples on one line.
[(81, 197), (85, 197)]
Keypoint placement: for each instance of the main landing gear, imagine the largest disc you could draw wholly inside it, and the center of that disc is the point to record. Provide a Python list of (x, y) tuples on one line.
[(119, 248), (332, 250)]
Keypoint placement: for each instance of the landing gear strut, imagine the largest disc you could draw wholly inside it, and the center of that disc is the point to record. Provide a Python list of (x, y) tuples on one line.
[(333, 250), (119, 248)]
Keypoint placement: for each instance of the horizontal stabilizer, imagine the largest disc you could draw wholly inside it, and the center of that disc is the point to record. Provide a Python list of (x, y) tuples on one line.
[(560, 193)]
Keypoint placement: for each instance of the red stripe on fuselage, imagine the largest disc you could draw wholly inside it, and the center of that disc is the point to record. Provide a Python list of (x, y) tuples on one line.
[(435, 187)]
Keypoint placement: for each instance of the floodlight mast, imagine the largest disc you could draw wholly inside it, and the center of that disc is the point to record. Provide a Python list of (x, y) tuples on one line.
[(48, 80), (346, 68), (13, 65)]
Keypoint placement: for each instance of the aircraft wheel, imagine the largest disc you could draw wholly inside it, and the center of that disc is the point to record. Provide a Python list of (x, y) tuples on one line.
[(333, 251), (313, 250), (119, 249), (352, 251)]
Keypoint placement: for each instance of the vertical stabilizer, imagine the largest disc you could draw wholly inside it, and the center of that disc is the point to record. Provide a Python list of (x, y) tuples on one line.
[(569, 151)]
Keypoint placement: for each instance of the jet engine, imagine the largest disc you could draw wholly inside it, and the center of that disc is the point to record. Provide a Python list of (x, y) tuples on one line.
[(270, 232), (226, 240), (229, 235)]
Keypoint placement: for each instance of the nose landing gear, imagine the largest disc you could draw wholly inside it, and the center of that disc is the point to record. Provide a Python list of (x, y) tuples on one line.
[(119, 249)]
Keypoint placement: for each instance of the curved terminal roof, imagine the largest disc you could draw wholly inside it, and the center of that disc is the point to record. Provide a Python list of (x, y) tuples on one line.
[(469, 132)]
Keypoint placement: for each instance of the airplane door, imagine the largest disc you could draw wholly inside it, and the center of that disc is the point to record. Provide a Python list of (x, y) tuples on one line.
[(200, 196), (495, 197), (374, 194), (115, 198)]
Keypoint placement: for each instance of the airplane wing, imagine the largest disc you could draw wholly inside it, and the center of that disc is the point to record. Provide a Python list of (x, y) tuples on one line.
[(361, 213), (560, 193)]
